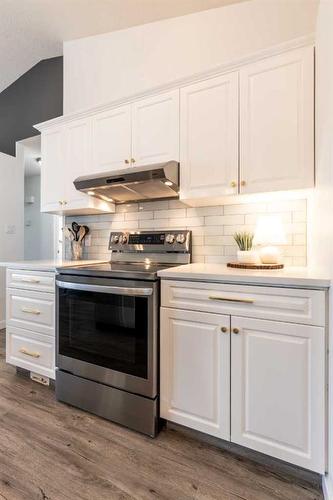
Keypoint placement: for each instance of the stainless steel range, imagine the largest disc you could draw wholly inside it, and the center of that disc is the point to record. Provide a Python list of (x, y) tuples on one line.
[(108, 328)]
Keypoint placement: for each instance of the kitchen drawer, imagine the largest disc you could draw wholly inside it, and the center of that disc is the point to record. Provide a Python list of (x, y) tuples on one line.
[(31, 280), (280, 304), (31, 310), (30, 351)]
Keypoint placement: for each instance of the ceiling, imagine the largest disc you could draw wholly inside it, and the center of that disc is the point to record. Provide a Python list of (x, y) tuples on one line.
[(32, 30)]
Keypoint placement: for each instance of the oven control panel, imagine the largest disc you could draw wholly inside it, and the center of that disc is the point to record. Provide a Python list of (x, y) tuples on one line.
[(151, 241)]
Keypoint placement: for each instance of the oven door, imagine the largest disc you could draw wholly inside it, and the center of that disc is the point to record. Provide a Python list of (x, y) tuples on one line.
[(107, 331)]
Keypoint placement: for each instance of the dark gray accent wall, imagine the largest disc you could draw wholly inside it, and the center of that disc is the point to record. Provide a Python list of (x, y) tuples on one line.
[(35, 97)]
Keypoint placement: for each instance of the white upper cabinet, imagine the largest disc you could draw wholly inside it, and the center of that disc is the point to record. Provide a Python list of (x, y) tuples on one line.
[(155, 129), (209, 138), (277, 123), (66, 156), (142, 133), (53, 171), (111, 140), (278, 390), (248, 131), (195, 370)]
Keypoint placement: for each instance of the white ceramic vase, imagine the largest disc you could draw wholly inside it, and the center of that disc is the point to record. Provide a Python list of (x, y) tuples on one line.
[(247, 256)]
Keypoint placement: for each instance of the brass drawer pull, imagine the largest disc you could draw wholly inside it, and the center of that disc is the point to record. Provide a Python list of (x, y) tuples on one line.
[(224, 329), (29, 280), (30, 311), (25, 351), (235, 330), (228, 299)]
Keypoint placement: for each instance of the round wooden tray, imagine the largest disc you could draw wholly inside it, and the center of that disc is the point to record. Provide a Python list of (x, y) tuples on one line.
[(238, 265)]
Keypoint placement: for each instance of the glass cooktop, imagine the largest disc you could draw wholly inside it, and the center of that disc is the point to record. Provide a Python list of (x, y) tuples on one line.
[(128, 270)]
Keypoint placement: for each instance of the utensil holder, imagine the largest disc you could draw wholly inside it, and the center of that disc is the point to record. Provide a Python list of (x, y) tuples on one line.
[(76, 250)]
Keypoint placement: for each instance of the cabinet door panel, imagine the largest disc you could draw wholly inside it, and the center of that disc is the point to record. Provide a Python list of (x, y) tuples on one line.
[(53, 171), (277, 122), (78, 142), (155, 129), (278, 390), (111, 139), (195, 370), (209, 138)]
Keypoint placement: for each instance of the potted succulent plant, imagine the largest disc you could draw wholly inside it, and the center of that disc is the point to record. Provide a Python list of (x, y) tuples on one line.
[(245, 254)]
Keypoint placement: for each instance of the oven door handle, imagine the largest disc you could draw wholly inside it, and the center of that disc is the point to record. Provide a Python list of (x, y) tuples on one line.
[(115, 290)]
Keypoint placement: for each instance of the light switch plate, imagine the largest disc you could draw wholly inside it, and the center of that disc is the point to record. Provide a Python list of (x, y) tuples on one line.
[(10, 229)]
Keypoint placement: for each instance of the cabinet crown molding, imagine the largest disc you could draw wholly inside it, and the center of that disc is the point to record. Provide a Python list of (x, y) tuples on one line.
[(307, 40)]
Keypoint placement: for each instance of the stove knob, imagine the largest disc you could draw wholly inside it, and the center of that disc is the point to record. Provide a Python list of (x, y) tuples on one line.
[(181, 238), (123, 239), (170, 238), (115, 239)]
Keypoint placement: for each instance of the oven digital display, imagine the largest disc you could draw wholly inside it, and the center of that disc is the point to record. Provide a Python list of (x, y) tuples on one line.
[(146, 239)]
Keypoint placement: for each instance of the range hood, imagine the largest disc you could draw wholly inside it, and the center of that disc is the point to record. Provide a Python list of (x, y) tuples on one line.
[(152, 182)]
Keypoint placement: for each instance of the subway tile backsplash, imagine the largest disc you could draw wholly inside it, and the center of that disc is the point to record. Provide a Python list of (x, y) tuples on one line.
[(212, 227)]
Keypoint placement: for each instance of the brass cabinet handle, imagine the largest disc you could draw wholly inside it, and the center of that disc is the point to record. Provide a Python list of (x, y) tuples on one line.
[(60, 202), (132, 160), (233, 184), (30, 311), (229, 299), (224, 329), (243, 183), (25, 351), (65, 202), (29, 280), (126, 161), (235, 330)]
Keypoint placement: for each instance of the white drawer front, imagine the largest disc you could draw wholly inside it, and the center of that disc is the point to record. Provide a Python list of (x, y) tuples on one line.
[(280, 304), (31, 310), (30, 351), (31, 280)]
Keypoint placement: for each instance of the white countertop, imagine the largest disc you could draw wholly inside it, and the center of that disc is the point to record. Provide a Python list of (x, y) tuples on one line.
[(48, 265), (289, 276)]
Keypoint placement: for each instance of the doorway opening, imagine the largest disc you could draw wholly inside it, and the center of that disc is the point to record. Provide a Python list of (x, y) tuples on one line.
[(41, 230)]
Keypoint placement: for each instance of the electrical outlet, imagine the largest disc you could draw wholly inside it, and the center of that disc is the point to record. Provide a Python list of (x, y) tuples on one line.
[(87, 241), (39, 378)]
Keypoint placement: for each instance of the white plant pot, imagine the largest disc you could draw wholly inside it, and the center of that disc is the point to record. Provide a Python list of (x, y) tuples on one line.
[(247, 256)]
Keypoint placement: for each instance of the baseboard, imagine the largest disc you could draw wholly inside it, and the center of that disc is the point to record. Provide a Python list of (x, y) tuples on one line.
[(2, 324), (327, 487)]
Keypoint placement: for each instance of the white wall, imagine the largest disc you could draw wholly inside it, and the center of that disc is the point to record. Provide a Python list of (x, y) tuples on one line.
[(212, 227), (106, 67), (39, 231), (321, 229), (11, 213)]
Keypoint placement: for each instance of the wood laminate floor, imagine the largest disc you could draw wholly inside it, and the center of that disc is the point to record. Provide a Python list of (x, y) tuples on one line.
[(50, 451)]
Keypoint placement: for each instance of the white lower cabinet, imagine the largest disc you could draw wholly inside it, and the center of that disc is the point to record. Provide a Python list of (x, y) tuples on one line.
[(257, 382), (278, 390), (195, 370), (30, 321)]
